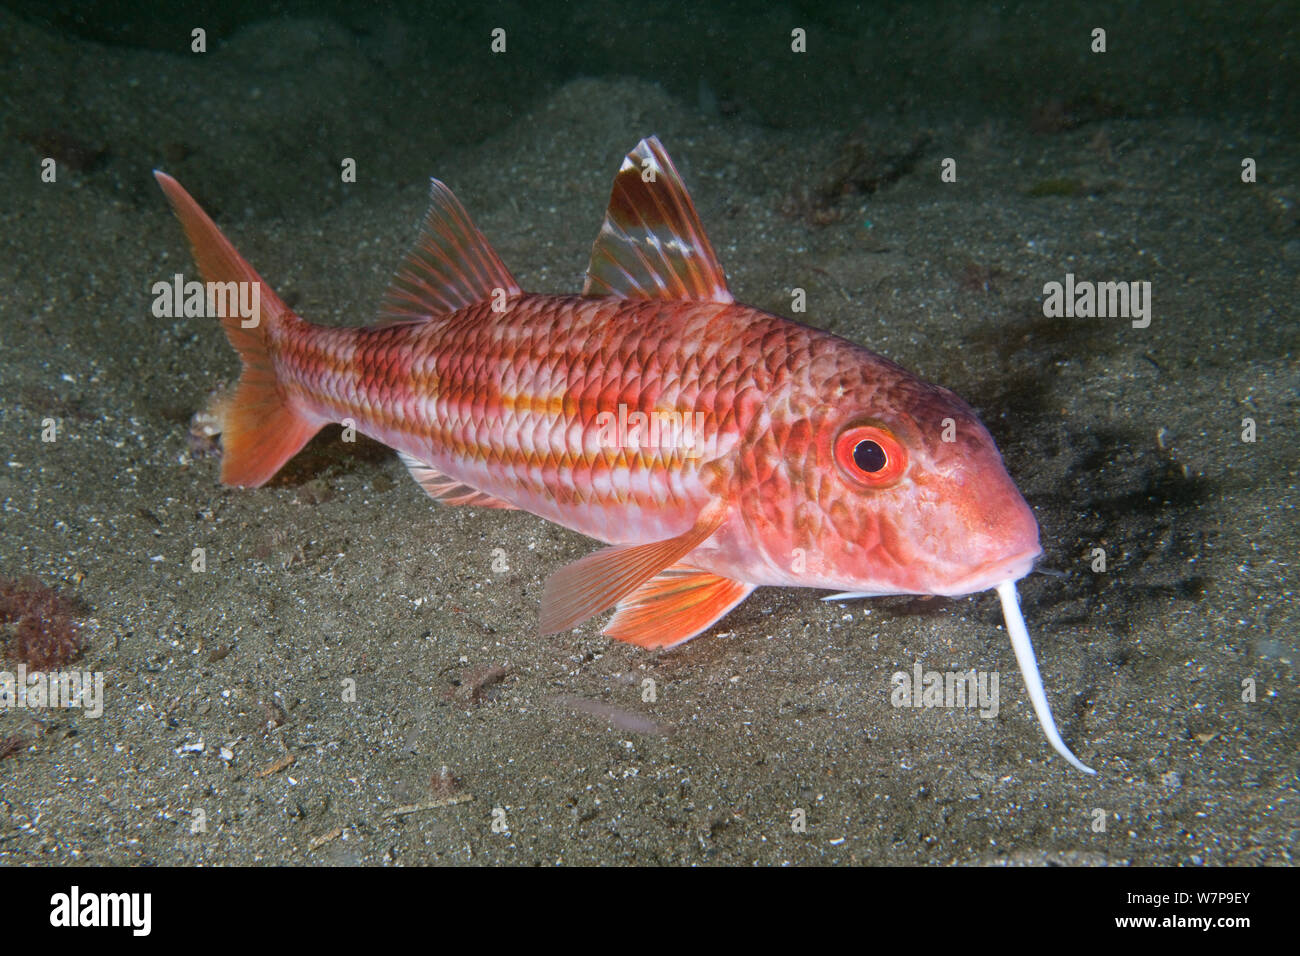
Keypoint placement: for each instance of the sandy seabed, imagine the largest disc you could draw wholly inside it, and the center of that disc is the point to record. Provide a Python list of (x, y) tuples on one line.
[(356, 677)]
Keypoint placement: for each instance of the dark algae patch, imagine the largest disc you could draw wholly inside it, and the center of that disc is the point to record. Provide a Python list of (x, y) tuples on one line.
[(40, 625)]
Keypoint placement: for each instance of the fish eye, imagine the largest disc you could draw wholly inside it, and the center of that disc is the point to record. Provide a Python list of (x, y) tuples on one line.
[(870, 456)]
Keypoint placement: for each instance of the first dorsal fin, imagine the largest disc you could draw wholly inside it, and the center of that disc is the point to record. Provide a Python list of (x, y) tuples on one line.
[(651, 244), (450, 267)]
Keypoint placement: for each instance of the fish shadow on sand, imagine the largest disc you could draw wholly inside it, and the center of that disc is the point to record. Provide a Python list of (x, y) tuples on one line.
[(1023, 329), (1097, 486), (327, 453), (1151, 518), (919, 606)]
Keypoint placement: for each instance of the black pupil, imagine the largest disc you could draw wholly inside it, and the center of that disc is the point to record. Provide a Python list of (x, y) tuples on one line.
[(869, 456)]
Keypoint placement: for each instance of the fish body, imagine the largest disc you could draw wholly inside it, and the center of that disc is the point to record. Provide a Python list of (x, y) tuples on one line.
[(510, 403), (713, 446)]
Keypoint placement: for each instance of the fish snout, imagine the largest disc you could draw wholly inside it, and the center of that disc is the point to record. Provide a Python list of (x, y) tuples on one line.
[(1003, 543)]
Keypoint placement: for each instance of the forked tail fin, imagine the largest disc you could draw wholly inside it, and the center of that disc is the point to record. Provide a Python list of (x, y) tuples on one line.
[(260, 430)]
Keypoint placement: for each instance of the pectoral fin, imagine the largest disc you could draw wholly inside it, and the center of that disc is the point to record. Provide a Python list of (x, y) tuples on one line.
[(674, 606), (598, 581)]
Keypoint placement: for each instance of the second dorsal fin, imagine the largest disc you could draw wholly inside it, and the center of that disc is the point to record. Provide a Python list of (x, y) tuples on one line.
[(651, 244), (451, 266), (447, 490)]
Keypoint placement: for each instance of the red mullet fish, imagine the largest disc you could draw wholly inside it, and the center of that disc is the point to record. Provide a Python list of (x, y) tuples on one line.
[(715, 447)]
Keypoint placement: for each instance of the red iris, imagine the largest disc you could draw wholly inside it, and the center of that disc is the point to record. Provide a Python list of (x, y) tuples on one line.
[(870, 455)]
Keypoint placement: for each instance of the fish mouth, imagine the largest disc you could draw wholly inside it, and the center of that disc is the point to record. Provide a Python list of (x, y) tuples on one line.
[(984, 577), (992, 573)]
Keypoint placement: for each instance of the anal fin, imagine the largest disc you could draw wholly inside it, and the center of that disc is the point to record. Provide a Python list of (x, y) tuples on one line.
[(674, 606), (449, 491)]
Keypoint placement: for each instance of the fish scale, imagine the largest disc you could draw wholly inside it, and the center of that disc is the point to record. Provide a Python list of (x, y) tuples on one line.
[(812, 461), (513, 401)]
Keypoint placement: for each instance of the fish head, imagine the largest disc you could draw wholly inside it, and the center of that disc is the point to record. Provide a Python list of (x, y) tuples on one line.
[(877, 482), (862, 478)]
